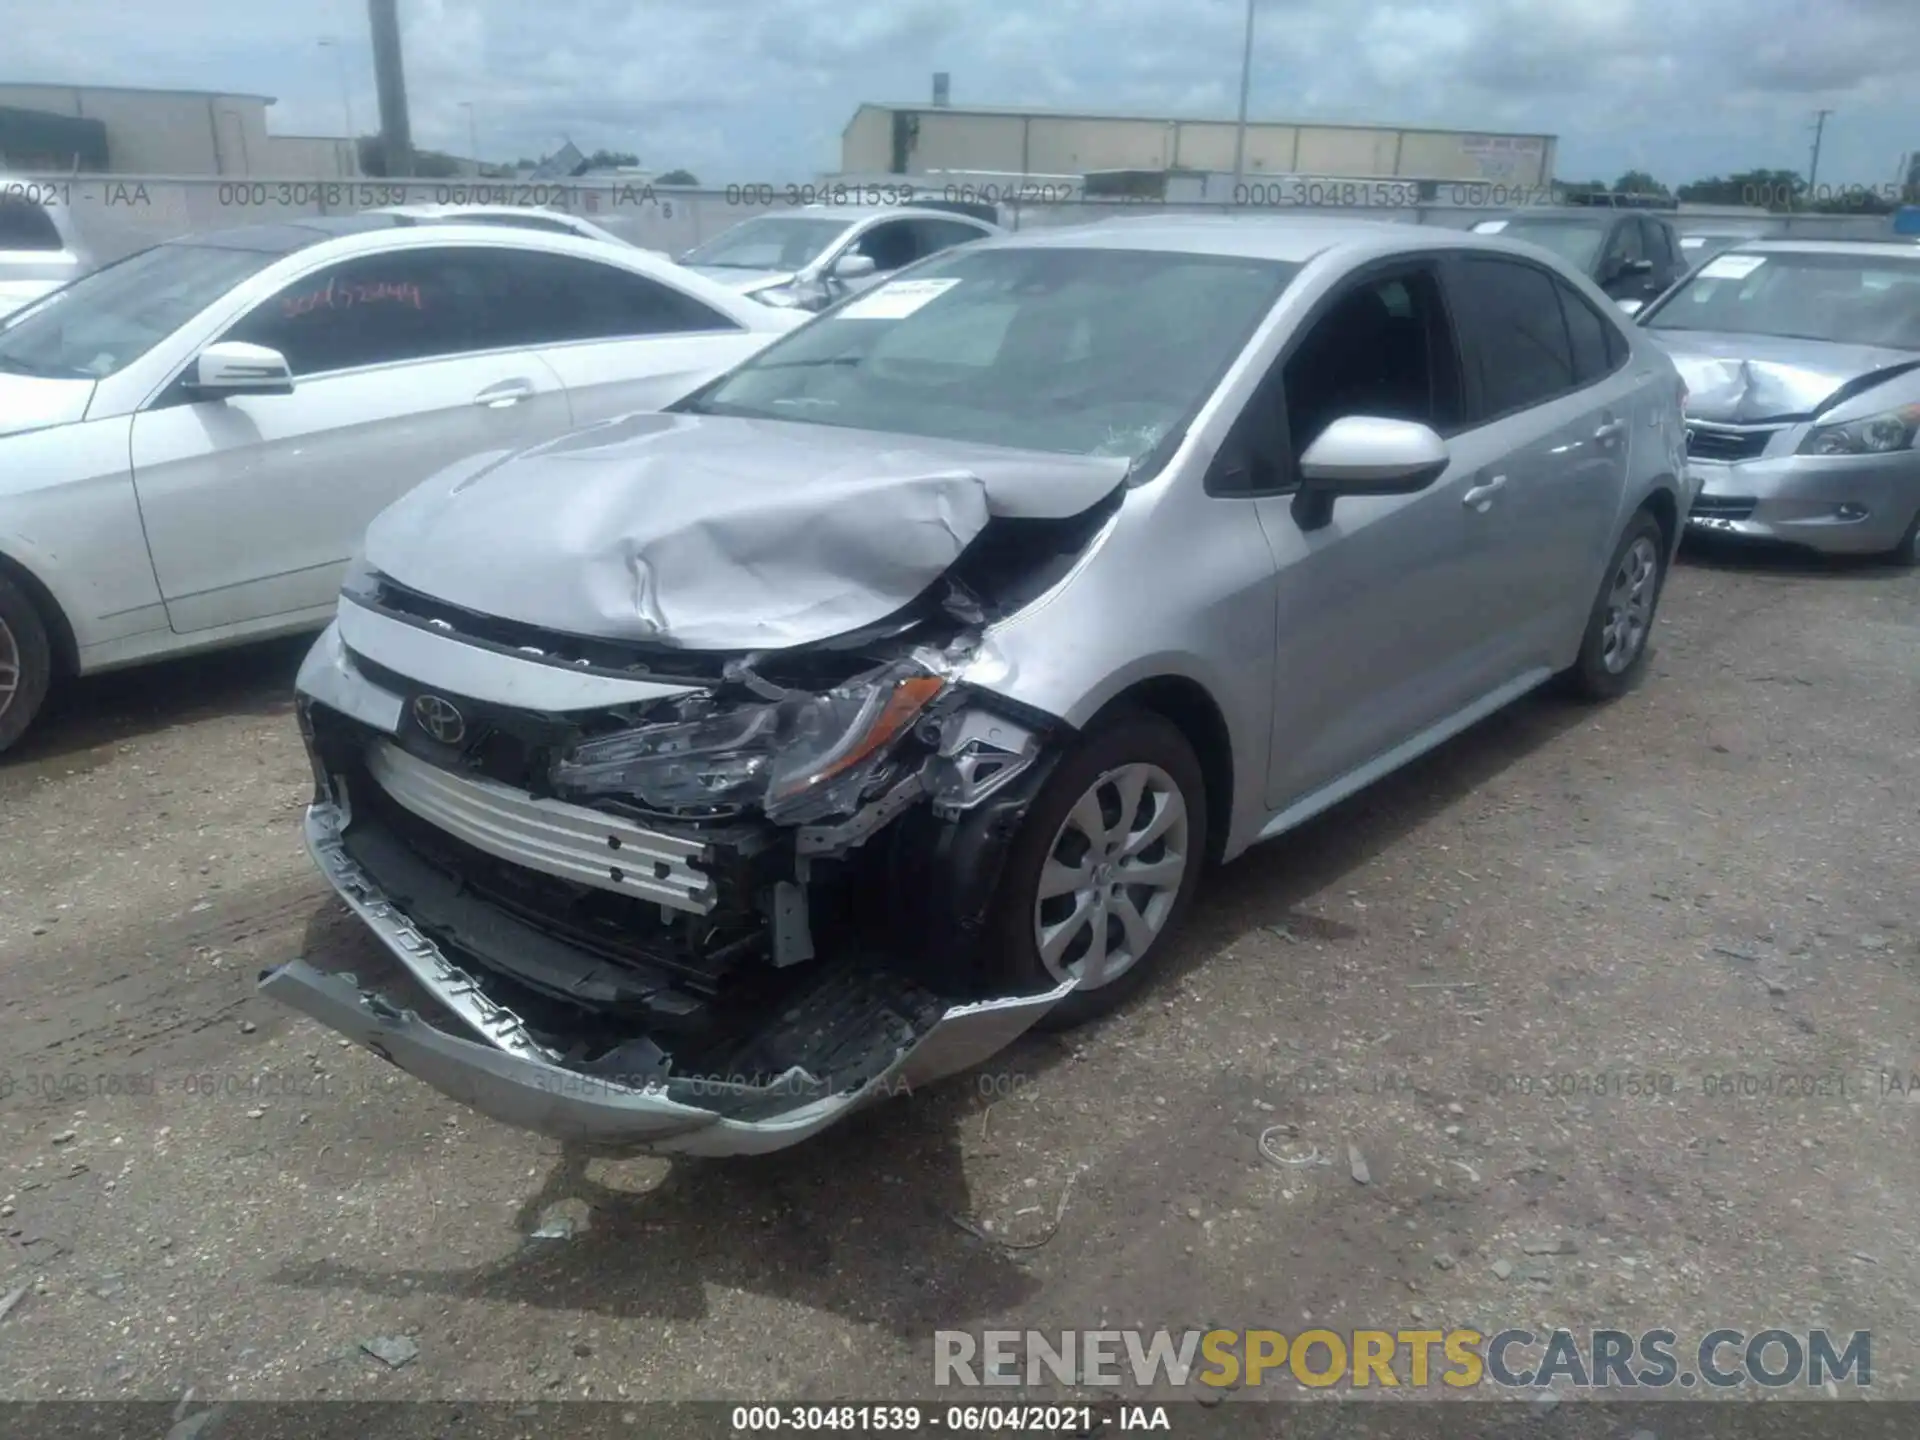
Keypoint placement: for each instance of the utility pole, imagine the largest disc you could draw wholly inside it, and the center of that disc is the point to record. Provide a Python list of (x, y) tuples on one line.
[(1813, 169), (396, 134), (1246, 83)]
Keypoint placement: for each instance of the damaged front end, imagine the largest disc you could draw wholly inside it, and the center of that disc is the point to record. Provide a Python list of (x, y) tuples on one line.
[(660, 900)]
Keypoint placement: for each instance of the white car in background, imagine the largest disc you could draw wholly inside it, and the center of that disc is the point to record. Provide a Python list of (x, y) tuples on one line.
[(40, 247), (193, 438), (810, 257)]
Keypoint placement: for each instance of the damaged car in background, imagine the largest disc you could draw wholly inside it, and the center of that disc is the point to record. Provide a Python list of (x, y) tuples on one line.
[(1802, 363), (712, 773)]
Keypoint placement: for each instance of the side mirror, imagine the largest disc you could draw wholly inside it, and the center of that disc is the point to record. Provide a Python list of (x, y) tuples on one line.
[(851, 266), (233, 367), (1365, 455)]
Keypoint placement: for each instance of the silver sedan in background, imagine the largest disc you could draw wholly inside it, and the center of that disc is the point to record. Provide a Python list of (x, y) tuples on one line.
[(1802, 363)]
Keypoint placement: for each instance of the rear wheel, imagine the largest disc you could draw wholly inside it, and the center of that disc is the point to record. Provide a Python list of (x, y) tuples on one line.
[(1613, 652), (1105, 867), (26, 662)]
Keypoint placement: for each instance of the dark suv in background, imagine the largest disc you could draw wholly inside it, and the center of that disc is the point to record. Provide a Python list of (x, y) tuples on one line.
[(1631, 255)]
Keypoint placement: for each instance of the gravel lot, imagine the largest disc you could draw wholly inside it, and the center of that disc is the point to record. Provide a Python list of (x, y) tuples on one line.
[(1715, 876)]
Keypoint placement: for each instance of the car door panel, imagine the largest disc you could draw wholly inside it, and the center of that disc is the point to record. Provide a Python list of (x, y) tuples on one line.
[(1384, 623), (617, 377), (253, 503), (1388, 621), (1560, 413)]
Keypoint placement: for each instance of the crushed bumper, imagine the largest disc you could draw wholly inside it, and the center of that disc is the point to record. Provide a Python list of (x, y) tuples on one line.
[(1859, 505), (502, 1071)]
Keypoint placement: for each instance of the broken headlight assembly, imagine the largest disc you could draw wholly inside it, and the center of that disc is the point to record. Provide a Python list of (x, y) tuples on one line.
[(799, 757), (1880, 434)]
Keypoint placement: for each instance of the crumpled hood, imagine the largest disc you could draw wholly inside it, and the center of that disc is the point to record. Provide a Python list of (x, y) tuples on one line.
[(1743, 379), (33, 402), (716, 533)]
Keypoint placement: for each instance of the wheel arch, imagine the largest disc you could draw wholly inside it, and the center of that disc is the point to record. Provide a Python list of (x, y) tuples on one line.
[(60, 636), (1186, 703)]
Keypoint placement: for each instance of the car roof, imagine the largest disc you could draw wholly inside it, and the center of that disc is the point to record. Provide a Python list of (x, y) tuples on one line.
[(853, 213), (449, 212), (283, 237), (1293, 238)]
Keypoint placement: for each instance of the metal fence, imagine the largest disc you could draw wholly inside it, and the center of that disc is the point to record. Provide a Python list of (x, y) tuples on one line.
[(116, 215)]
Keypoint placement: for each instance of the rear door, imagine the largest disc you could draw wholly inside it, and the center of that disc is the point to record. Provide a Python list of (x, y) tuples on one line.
[(253, 504), (619, 341), (1548, 392)]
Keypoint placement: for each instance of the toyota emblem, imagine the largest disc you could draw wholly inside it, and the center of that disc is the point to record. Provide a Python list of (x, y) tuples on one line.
[(440, 718)]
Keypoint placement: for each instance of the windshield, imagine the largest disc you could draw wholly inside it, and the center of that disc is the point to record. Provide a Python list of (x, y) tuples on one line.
[(1569, 239), (1850, 299), (768, 242), (105, 321), (1076, 351)]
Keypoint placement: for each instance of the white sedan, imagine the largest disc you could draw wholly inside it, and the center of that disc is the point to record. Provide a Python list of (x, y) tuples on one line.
[(192, 439)]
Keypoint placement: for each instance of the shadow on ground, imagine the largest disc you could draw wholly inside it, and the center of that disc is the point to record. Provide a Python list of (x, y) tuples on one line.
[(110, 709)]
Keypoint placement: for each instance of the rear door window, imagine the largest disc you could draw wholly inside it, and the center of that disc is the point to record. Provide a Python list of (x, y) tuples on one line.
[(1515, 333), (1597, 348), (555, 299)]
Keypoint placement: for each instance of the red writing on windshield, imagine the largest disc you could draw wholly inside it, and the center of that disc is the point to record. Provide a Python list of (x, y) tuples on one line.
[(339, 295)]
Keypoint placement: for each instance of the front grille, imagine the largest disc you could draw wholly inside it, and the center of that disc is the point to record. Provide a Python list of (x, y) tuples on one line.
[(570, 842), (1722, 507), (1716, 442)]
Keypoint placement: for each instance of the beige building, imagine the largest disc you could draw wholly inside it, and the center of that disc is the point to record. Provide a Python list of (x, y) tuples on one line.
[(918, 139), (175, 132)]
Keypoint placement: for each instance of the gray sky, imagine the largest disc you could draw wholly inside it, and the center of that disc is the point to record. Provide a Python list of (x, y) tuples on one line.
[(743, 90)]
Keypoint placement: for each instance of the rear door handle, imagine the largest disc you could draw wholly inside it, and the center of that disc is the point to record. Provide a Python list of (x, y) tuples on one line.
[(1480, 497), (1610, 430), (507, 392)]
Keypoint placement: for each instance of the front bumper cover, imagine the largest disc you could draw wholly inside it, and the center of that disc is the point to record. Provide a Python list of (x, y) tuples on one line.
[(1852, 504), (506, 1074)]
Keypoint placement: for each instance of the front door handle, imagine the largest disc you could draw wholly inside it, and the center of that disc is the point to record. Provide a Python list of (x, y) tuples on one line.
[(1611, 430), (507, 392), (1480, 497)]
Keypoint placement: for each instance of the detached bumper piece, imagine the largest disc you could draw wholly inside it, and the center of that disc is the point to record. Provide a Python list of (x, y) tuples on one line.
[(855, 1035)]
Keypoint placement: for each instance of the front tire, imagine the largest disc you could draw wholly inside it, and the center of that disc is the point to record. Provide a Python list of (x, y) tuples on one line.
[(1105, 866), (1613, 651), (26, 662)]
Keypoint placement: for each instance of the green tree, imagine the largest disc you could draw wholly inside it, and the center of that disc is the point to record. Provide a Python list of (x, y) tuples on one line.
[(1767, 189), (677, 177), (1638, 182), (1581, 187), (612, 160)]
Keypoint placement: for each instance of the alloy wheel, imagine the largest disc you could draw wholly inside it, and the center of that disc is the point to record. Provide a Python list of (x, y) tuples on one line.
[(1630, 601), (9, 666), (1112, 875)]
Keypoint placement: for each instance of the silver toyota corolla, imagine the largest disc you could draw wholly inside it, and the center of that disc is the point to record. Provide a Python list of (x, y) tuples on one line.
[(1802, 363), (717, 772)]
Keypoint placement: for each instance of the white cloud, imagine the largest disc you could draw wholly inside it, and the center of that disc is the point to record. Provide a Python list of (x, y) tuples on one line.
[(760, 89)]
